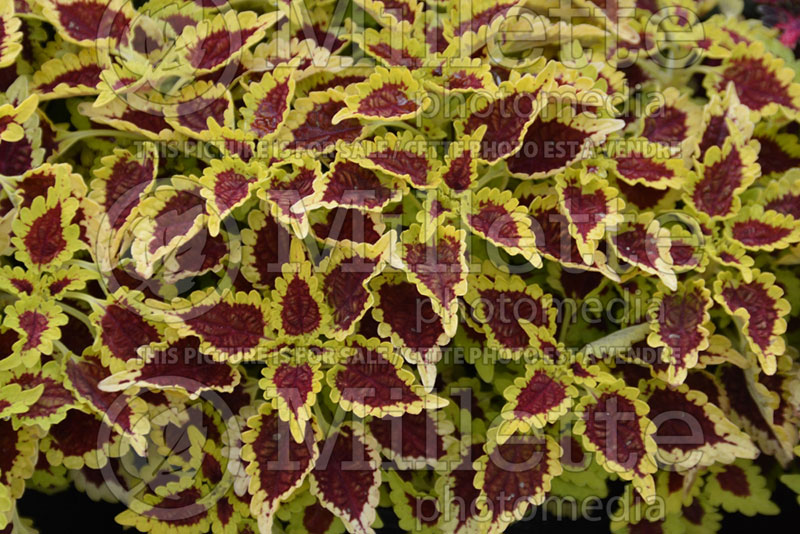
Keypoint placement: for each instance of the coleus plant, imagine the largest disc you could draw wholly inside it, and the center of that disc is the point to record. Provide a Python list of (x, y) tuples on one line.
[(315, 267)]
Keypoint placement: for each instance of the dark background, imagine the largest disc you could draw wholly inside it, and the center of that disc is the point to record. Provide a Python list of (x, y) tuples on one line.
[(73, 512)]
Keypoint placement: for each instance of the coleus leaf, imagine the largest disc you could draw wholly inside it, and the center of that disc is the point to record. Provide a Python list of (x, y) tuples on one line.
[(292, 387), (643, 242), (388, 94), (121, 182), (10, 42), (759, 229), (739, 487), (370, 380), (319, 29), (515, 316), (762, 81), (147, 119), (73, 278), (266, 103), (348, 184), (347, 477), (19, 282), (121, 331), (473, 26), (677, 323), (408, 52), (557, 138), (168, 512), (352, 228), (438, 208), (497, 217), (345, 278), (201, 254), (323, 80), (685, 248), (640, 161), (783, 195), (69, 75), (299, 309), (12, 118), (14, 400), (309, 125), (413, 441), (457, 489), (507, 117), (227, 184), (460, 168), (720, 350), (613, 424), (756, 417), (232, 142), (308, 516), (693, 432), (672, 120), (232, 324), (90, 22), (542, 396), (458, 75), (779, 392), (52, 398), (167, 218), (416, 510), (288, 191), (438, 268), (44, 233), (514, 475), (590, 205), (219, 41), (721, 177), (266, 247), (276, 464), (36, 182), (176, 365), (407, 318), (760, 311), (551, 229), (724, 116), (123, 412), (732, 254), (647, 198), (38, 326), (19, 459), (27, 153), (394, 13), (642, 516), (406, 156), (779, 152), (79, 440), (197, 107)]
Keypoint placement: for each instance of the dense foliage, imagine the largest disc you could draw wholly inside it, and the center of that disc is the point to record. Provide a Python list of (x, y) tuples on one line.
[(310, 266)]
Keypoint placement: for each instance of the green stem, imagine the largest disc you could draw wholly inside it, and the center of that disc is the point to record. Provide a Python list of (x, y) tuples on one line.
[(603, 283), (95, 304), (84, 265), (321, 420), (490, 175), (32, 16), (397, 124), (618, 340), (76, 313), (62, 348), (66, 141)]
